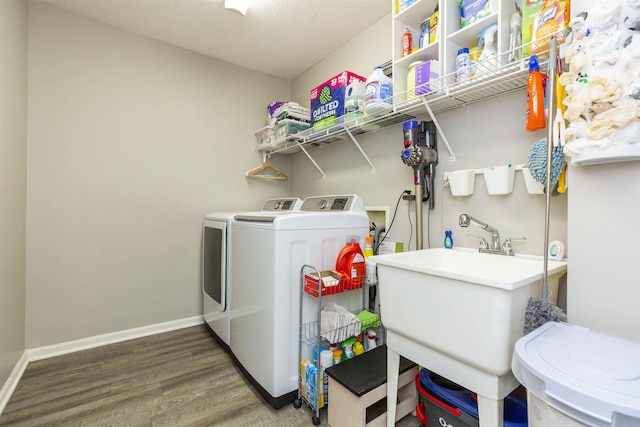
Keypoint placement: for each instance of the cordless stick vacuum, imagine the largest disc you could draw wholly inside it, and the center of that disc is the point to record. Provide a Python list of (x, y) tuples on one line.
[(421, 153)]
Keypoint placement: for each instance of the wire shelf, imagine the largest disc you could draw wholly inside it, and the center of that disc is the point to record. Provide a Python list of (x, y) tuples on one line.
[(495, 81), (309, 331)]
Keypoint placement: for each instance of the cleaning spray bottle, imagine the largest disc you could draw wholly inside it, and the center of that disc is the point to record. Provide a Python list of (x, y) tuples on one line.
[(407, 41), (515, 36), (488, 58), (535, 97)]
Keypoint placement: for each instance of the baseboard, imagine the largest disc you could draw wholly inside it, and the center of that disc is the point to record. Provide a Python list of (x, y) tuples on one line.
[(11, 383), (45, 352)]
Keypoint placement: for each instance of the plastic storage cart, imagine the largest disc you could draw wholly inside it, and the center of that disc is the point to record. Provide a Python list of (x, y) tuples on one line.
[(312, 382), (577, 377)]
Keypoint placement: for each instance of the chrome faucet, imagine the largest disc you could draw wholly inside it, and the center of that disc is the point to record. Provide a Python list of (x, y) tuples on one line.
[(495, 247)]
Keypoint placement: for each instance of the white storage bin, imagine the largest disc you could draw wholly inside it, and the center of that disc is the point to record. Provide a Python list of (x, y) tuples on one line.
[(533, 186), (577, 377), (462, 182), (265, 136), (499, 179), (288, 127)]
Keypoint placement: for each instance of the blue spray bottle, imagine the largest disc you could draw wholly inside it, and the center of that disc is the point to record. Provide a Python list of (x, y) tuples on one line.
[(448, 238)]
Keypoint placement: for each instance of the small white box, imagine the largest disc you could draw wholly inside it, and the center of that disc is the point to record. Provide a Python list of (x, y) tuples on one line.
[(390, 247)]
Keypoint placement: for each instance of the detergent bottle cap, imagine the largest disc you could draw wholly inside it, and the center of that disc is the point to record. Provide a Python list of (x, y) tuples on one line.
[(533, 63)]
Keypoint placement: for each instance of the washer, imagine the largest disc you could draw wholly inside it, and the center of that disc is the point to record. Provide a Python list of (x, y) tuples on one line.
[(216, 262), (267, 255)]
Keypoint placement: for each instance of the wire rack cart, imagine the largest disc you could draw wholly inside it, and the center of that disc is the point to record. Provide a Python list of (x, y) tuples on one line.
[(312, 380)]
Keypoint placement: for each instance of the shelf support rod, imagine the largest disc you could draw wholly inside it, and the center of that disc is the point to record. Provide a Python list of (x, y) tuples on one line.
[(310, 158), (373, 168), (435, 122)]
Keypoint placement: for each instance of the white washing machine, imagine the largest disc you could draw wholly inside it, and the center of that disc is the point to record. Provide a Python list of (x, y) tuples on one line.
[(216, 259), (267, 255)]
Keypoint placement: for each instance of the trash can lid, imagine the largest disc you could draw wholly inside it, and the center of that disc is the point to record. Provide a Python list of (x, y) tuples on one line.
[(591, 377)]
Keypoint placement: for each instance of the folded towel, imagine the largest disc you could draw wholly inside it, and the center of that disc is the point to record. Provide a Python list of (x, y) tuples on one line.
[(292, 110), (369, 319)]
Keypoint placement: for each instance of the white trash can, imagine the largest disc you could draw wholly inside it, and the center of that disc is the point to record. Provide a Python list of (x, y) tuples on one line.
[(577, 377)]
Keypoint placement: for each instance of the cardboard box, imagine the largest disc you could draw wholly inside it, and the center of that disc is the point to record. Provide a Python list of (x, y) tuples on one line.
[(328, 99), (390, 247), (540, 20), (474, 10), (426, 74), (530, 9)]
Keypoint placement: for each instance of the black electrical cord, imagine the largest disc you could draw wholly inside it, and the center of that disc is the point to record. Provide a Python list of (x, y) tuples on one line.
[(392, 219)]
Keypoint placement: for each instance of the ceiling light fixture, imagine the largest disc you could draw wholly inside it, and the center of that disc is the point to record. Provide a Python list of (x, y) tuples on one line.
[(237, 6)]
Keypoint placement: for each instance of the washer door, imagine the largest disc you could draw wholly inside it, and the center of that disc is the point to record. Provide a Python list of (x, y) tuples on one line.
[(214, 262)]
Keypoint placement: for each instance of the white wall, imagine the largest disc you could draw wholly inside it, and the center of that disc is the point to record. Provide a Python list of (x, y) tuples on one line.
[(603, 288), (13, 174), (485, 134), (131, 143)]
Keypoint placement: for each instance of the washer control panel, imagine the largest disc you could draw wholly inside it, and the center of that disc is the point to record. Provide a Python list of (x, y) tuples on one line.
[(342, 203), (285, 205)]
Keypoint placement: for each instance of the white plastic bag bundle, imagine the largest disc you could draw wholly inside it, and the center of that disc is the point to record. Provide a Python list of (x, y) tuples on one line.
[(603, 81), (337, 323)]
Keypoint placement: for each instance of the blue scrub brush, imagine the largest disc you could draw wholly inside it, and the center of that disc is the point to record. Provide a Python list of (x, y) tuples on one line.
[(538, 161)]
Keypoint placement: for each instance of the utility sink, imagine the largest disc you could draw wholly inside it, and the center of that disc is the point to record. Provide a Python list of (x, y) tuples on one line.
[(459, 313)]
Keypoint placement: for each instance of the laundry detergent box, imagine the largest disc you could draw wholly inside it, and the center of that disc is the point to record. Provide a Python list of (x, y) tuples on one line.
[(427, 75), (335, 97), (474, 10)]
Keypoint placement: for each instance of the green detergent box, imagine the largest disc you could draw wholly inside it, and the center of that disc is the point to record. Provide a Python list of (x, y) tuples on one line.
[(329, 100), (474, 10)]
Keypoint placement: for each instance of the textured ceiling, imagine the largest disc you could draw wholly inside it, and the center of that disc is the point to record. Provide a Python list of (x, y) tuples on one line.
[(278, 37)]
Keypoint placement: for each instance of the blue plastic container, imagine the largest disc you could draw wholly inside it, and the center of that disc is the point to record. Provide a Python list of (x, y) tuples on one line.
[(454, 396)]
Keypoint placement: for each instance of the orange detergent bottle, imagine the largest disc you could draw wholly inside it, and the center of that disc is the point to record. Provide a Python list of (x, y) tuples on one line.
[(535, 97), (350, 264)]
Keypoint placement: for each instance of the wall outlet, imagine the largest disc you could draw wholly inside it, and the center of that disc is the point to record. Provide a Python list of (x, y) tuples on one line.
[(411, 197)]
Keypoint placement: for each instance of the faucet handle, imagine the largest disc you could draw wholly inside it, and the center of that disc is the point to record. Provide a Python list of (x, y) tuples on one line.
[(483, 242), (506, 246)]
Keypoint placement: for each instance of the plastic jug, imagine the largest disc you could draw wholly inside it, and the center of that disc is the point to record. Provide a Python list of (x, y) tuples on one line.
[(350, 263), (378, 96)]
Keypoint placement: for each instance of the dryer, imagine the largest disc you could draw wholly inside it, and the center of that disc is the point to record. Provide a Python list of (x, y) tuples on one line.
[(216, 259), (267, 255)]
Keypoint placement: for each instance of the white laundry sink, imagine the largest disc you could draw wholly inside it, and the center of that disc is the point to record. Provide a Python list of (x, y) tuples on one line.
[(459, 312)]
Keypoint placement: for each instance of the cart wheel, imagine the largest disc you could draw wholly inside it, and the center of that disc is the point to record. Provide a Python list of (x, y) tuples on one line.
[(315, 420), (297, 403)]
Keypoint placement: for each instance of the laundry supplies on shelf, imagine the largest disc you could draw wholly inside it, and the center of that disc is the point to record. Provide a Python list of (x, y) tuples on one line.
[(328, 100), (378, 98)]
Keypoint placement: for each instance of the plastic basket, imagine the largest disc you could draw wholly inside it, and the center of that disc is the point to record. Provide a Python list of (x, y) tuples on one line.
[(288, 127), (265, 136), (332, 283), (461, 404), (354, 282), (435, 411)]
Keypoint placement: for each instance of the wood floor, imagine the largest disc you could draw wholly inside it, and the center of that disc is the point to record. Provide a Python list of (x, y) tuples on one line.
[(178, 378)]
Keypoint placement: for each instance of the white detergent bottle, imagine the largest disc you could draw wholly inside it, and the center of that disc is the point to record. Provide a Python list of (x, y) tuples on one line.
[(378, 96), (489, 57)]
